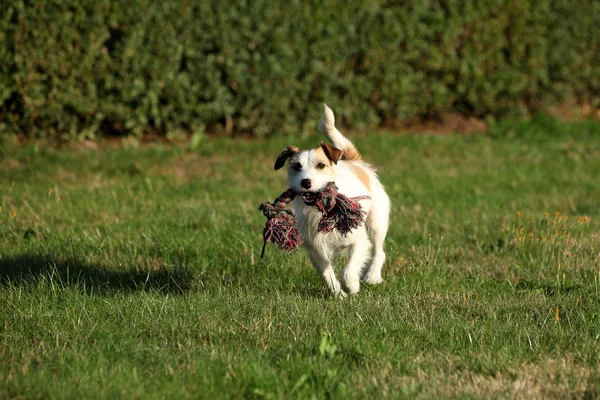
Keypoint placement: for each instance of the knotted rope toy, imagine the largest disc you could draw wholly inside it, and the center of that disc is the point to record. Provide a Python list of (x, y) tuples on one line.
[(339, 212)]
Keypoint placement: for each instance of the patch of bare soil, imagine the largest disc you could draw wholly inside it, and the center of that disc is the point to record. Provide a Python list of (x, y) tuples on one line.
[(570, 112), (447, 123)]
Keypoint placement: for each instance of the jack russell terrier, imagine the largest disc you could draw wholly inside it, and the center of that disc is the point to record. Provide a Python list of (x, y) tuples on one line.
[(311, 170)]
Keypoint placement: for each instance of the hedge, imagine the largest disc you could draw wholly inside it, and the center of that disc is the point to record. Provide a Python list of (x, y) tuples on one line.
[(83, 68)]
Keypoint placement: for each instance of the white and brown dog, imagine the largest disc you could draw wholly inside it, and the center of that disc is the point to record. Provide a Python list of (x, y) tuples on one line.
[(311, 170)]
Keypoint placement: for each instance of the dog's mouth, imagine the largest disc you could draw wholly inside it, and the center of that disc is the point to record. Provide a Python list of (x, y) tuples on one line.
[(310, 198)]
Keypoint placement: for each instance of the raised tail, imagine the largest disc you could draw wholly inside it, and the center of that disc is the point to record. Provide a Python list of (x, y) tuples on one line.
[(339, 141)]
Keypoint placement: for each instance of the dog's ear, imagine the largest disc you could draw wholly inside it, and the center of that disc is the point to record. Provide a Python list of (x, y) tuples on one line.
[(284, 155), (331, 152)]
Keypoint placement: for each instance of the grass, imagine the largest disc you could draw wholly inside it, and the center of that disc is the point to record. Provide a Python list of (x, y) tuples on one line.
[(135, 273)]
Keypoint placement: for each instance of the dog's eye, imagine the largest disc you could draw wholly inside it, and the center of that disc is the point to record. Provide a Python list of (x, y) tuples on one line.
[(297, 166), (320, 165)]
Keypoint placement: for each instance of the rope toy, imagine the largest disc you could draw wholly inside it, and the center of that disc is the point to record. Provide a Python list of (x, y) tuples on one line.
[(339, 212)]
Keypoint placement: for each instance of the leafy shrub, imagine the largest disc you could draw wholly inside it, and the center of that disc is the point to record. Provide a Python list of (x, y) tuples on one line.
[(88, 67)]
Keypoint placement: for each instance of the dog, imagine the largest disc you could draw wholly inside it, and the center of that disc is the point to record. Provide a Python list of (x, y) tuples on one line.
[(340, 162)]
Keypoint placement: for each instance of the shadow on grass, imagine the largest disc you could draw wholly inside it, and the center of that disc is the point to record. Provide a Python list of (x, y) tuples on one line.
[(27, 269)]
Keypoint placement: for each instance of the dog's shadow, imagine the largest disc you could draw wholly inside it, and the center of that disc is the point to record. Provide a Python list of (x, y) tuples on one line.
[(25, 270), (28, 270)]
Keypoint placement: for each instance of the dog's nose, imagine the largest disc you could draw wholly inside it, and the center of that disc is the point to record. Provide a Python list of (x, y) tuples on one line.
[(305, 183)]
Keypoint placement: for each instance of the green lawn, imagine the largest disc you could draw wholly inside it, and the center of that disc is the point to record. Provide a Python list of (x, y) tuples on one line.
[(135, 273)]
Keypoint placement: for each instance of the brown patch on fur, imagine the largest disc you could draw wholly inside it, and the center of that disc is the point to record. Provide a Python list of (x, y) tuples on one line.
[(331, 152), (361, 175), (322, 156), (351, 154), (334, 154)]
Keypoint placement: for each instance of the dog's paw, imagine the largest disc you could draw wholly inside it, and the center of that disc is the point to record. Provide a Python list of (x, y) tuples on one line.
[(350, 285), (372, 279), (335, 288)]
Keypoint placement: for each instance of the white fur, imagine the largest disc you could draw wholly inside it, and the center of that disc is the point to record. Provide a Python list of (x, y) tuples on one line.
[(322, 247)]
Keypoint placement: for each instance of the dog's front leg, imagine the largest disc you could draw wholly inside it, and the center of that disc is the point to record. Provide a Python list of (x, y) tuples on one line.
[(359, 255), (323, 265)]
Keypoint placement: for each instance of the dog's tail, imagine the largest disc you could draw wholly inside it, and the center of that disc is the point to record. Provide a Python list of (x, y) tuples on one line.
[(339, 141)]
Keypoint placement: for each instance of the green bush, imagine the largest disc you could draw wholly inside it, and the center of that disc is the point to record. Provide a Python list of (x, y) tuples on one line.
[(88, 67)]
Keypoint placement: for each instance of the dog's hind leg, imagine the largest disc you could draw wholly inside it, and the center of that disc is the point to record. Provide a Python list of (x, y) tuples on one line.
[(323, 265), (378, 223)]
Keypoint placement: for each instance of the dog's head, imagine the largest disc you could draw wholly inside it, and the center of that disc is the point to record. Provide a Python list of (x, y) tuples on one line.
[(309, 170)]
